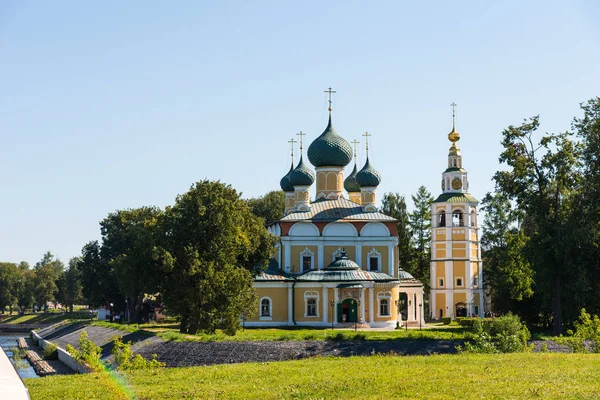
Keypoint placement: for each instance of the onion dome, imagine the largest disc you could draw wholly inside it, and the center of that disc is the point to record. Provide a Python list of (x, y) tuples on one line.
[(405, 276), (330, 149), (350, 183), (343, 263), (285, 183), (368, 176), (301, 175)]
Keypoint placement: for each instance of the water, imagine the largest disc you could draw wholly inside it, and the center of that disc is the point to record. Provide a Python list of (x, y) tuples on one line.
[(8, 342)]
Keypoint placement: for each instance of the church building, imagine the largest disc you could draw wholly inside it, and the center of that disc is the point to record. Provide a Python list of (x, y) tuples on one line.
[(456, 270), (337, 259)]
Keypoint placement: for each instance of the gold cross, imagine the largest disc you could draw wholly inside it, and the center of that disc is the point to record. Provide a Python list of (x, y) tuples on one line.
[(292, 141), (366, 135), (330, 92), (301, 134), (453, 114), (355, 142)]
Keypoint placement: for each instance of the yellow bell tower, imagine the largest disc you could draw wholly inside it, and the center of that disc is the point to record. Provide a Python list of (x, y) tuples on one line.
[(456, 271)]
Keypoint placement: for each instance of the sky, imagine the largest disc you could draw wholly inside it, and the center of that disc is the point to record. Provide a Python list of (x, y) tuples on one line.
[(114, 105)]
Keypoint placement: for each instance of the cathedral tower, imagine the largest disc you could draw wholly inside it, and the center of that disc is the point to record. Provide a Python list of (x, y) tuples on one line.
[(456, 271)]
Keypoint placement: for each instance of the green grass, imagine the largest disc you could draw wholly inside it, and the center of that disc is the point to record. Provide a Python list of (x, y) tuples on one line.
[(43, 318), (523, 375)]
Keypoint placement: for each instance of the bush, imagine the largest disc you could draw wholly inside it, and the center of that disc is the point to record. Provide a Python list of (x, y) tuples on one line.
[(446, 320), (125, 359), (467, 322), (51, 352), (587, 328), (506, 334), (88, 353)]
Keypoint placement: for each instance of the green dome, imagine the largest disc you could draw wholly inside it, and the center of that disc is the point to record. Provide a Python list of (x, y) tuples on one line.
[(301, 175), (342, 263), (285, 183), (404, 276), (368, 176), (330, 149), (350, 183)]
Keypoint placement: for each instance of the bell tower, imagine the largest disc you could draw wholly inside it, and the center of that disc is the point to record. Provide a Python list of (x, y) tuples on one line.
[(456, 267)]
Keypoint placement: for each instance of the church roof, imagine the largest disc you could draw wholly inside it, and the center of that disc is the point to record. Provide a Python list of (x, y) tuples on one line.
[(330, 149), (455, 198), (344, 275), (368, 176), (336, 210), (301, 175), (274, 275), (350, 183)]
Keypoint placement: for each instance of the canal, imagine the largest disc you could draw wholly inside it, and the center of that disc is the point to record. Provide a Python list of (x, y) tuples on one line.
[(8, 341)]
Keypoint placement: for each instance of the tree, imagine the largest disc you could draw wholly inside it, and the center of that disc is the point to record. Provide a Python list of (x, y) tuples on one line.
[(542, 179), (129, 239), (25, 287), (97, 278), (420, 224), (69, 285), (270, 207), (48, 259), (44, 285), (9, 275), (394, 205), (213, 245)]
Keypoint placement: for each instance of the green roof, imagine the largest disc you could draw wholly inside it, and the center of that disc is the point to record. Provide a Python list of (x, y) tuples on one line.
[(350, 183), (455, 169), (285, 183), (455, 198), (301, 175), (330, 149), (344, 275), (368, 176)]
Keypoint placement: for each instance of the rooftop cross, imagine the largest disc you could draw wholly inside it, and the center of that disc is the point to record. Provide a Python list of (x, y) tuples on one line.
[(301, 134), (453, 114), (330, 92), (366, 135), (292, 141), (355, 142)]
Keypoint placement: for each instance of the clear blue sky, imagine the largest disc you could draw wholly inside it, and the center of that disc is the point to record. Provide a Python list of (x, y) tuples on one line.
[(119, 104)]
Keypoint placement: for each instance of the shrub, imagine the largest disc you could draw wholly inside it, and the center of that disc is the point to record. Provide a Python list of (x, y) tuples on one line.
[(506, 334), (446, 320), (88, 353), (587, 327), (51, 352), (126, 360), (468, 321)]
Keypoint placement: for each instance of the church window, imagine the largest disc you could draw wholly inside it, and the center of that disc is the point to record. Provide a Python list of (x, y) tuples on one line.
[(384, 307), (476, 310), (265, 308), (374, 258), (459, 282), (311, 307), (473, 218), (307, 260), (442, 219), (457, 218), (441, 282), (475, 281), (311, 300)]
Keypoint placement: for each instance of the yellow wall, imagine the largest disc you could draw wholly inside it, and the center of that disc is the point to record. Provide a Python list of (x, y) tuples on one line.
[(440, 234), (392, 305), (278, 306), (459, 250), (383, 250), (440, 272), (329, 250), (459, 271), (299, 306), (295, 252), (440, 304), (459, 236), (459, 298)]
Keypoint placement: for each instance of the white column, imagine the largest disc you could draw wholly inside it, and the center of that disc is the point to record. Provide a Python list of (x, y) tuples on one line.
[(362, 304), (450, 304), (481, 303), (290, 305), (325, 301), (336, 296), (410, 307), (391, 263), (320, 256), (422, 308), (359, 255), (371, 305), (432, 305), (288, 255)]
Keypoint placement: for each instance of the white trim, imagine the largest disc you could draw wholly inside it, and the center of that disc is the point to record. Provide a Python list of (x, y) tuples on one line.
[(307, 253), (265, 317), (337, 253), (462, 282), (374, 254), (311, 294)]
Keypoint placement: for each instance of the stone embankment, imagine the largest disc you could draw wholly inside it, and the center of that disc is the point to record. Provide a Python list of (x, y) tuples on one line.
[(35, 356)]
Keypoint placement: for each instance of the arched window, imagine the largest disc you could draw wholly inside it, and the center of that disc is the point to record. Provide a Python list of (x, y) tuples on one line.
[(442, 219), (265, 308), (311, 303), (374, 260), (457, 218), (307, 260), (473, 218), (384, 299)]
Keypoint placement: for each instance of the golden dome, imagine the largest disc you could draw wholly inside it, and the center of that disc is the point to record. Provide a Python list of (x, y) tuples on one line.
[(454, 136)]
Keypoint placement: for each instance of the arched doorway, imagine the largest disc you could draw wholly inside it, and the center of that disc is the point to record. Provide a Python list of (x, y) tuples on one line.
[(348, 311), (461, 310)]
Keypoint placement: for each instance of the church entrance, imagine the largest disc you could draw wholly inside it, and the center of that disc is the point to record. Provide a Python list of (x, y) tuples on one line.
[(461, 310), (348, 311)]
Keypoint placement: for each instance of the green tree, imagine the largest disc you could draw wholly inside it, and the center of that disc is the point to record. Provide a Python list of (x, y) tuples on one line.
[(394, 205), (542, 179), (270, 207), (25, 287), (69, 285), (129, 240), (213, 247), (9, 275), (420, 224), (48, 259), (97, 278), (45, 288)]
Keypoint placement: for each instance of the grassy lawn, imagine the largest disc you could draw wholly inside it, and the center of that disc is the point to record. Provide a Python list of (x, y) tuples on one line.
[(43, 318), (523, 375), (171, 332)]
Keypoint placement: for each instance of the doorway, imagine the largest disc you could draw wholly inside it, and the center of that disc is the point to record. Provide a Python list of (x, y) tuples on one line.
[(349, 312)]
